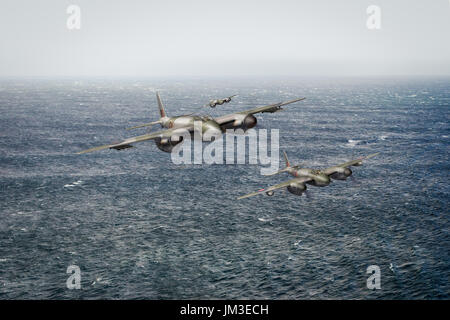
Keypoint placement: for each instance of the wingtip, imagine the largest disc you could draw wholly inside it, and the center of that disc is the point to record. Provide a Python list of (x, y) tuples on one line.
[(372, 155), (95, 149), (284, 103), (82, 152)]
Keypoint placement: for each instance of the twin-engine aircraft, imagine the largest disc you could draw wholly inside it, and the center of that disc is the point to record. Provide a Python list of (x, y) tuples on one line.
[(215, 102), (168, 138), (314, 177)]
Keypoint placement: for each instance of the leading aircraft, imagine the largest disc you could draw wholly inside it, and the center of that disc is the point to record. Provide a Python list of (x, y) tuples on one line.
[(314, 177), (170, 136)]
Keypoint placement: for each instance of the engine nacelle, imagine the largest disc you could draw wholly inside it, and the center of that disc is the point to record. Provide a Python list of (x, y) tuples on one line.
[(297, 188), (167, 145), (270, 193), (342, 174), (246, 123), (210, 129)]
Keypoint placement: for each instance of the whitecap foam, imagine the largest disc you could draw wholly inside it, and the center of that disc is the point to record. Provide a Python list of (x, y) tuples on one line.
[(352, 143), (73, 184)]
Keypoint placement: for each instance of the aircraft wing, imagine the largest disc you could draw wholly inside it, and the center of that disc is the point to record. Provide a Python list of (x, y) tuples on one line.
[(332, 170), (277, 186), (127, 142), (269, 108)]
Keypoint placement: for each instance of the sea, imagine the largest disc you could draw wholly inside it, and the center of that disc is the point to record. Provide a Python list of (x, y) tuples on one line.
[(138, 226)]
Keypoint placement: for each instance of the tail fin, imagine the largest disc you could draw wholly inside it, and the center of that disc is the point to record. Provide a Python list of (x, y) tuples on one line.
[(288, 164), (162, 112)]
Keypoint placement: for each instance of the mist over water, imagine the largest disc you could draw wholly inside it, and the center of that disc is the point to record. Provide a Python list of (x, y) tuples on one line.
[(210, 38), (140, 227)]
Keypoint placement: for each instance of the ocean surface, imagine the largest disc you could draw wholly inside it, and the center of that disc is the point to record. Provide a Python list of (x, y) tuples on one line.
[(140, 227)]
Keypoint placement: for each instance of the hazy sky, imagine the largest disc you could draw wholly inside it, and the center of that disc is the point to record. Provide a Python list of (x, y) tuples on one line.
[(224, 38)]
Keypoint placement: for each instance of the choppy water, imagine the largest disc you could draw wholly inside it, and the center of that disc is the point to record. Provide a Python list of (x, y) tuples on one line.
[(139, 226)]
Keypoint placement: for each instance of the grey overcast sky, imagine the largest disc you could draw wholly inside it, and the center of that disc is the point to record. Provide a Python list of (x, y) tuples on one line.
[(224, 38)]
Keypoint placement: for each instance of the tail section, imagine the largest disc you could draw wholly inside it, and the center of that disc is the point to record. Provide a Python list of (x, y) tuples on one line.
[(162, 112), (288, 166), (145, 125), (288, 169)]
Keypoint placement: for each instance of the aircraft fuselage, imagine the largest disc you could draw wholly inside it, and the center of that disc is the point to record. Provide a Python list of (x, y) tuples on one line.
[(319, 179)]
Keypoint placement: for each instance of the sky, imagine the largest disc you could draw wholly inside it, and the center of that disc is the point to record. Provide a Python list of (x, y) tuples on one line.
[(137, 38)]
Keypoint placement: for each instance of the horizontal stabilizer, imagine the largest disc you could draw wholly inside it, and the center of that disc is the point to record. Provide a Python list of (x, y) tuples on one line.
[(145, 125), (279, 171)]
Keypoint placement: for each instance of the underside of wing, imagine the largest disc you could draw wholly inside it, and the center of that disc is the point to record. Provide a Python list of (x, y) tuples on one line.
[(359, 161), (127, 142), (269, 108), (275, 187)]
